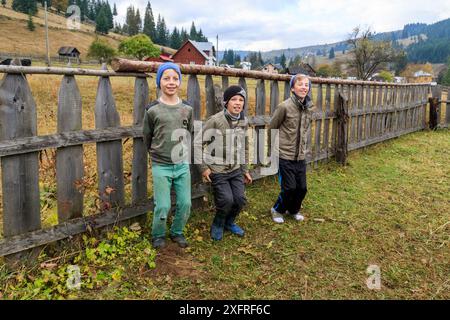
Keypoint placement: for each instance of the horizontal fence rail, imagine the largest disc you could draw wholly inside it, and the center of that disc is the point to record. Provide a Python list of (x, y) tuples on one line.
[(350, 115)]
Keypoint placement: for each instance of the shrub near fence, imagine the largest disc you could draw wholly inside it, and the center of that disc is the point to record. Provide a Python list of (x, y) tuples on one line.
[(350, 115)]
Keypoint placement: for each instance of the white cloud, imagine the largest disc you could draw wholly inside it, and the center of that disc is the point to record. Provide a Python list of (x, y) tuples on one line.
[(266, 25)]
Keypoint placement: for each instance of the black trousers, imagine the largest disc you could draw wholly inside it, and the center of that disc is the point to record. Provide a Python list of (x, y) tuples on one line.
[(229, 195), (292, 177)]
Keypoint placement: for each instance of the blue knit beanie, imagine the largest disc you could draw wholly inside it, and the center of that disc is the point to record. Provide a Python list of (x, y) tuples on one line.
[(164, 67)]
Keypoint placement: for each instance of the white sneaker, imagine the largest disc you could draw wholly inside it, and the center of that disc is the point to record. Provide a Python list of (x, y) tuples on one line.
[(276, 216), (298, 216)]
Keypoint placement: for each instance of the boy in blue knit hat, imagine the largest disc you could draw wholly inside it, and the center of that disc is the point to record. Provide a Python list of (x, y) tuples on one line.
[(293, 119), (170, 163)]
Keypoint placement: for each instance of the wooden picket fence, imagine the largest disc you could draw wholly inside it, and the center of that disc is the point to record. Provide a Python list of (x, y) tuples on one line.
[(351, 115)]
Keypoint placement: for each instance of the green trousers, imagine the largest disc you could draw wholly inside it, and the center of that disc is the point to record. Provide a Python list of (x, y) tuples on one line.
[(164, 175)]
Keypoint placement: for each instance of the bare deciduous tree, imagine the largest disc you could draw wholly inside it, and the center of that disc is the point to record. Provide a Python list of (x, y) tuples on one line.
[(367, 55)]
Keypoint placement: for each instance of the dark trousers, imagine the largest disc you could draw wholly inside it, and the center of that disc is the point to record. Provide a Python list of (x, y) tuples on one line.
[(292, 177), (229, 195)]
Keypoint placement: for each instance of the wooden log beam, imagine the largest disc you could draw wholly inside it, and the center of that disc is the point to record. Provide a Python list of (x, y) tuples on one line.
[(133, 66)]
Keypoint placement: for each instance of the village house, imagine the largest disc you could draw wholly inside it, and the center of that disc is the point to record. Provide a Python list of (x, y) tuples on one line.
[(193, 52), (246, 65), (70, 53), (269, 68), (163, 57), (303, 68), (420, 77)]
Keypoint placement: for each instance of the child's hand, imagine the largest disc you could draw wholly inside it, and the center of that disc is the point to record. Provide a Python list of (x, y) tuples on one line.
[(248, 178), (206, 174)]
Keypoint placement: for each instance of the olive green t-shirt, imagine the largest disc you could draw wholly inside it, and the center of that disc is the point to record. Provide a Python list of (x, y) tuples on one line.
[(160, 122)]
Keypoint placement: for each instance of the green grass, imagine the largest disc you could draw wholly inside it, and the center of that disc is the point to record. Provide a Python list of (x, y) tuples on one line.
[(390, 206)]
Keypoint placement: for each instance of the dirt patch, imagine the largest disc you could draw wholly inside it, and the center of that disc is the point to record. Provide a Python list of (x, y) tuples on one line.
[(175, 262)]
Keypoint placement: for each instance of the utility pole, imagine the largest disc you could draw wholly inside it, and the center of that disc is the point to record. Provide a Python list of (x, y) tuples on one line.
[(46, 35), (217, 55)]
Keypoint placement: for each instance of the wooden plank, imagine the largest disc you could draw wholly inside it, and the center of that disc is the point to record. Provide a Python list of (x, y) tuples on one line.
[(211, 107), (194, 99), (367, 109), (354, 107), (326, 132), (274, 96), (384, 106), (139, 168), (341, 108), (69, 160), (124, 65), (318, 128), (334, 125), (260, 110), (243, 83), (68, 71), (360, 107), (287, 90), (225, 83), (66, 139), (447, 110), (109, 154), (193, 96), (373, 108), (20, 173), (379, 110)]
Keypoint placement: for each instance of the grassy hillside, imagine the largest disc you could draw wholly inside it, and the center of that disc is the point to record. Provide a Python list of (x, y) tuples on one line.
[(16, 38)]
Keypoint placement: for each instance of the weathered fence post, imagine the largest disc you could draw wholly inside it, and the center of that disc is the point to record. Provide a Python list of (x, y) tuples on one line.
[(342, 128), (243, 84), (211, 104), (260, 111), (447, 111), (69, 160), (20, 173), (109, 154), (318, 127), (225, 83), (193, 98), (287, 90), (326, 132), (434, 106), (139, 169)]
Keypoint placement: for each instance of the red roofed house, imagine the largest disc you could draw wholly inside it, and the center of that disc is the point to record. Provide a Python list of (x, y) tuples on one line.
[(192, 52), (163, 57)]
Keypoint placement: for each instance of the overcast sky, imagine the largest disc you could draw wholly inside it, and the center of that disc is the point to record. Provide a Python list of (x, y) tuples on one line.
[(270, 24)]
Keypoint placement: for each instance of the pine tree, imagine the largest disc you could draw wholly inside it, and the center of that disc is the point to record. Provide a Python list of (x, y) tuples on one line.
[(131, 22), (109, 15), (115, 10), (175, 39), (283, 61), (30, 24), (138, 20), (184, 36), (332, 55), (25, 6), (193, 35), (161, 32), (101, 22), (149, 23), (201, 37), (83, 9)]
